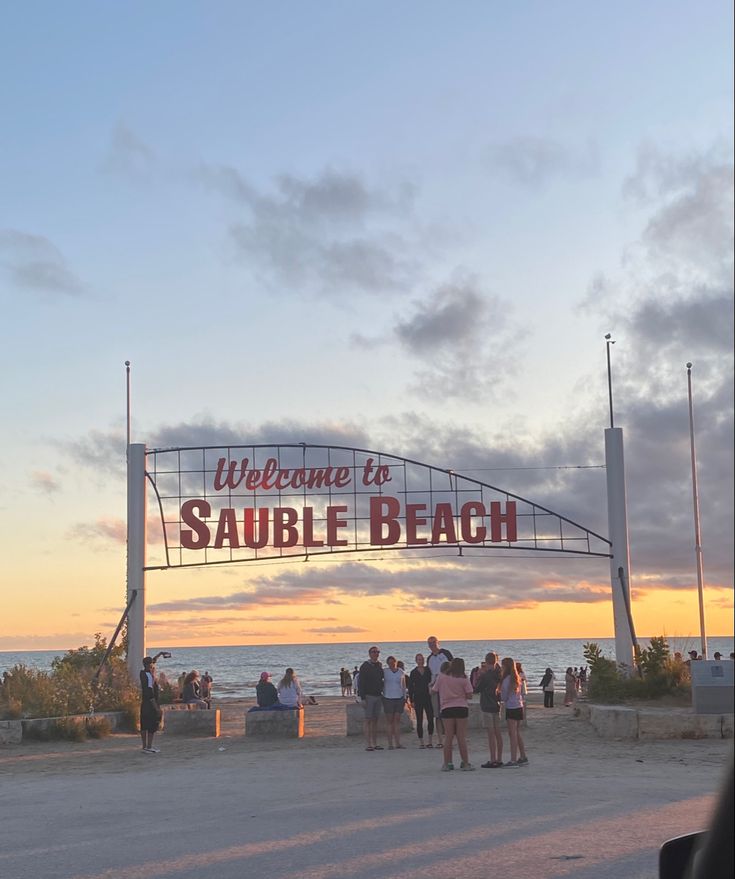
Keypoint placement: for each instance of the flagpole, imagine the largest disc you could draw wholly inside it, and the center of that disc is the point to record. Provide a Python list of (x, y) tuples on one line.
[(697, 531)]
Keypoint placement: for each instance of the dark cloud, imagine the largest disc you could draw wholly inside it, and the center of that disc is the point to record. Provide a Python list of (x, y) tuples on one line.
[(462, 339), (329, 234), (534, 161), (33, 263)]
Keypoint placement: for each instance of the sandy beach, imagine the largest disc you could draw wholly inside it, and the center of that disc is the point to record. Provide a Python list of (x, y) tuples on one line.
[(323, 807)]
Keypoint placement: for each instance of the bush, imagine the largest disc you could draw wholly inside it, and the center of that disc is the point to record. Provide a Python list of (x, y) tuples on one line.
[(98, 727), (661, 675), (71, 728), (71, 687)]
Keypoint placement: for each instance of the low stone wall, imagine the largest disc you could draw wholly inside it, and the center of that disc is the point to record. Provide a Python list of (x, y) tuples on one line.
[(177, 722), (11, 732), (355, 721), (281, 724), (43, 727), (626, 722)]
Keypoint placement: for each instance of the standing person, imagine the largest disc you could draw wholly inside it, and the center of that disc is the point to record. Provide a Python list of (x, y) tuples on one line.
[(356, 681), (394, 701), (524, 690), (348, 683), (488, 685), (547, 685), (207, 681), (511, 695), (454, 690), (570, 687), (370, 691), (343, 681), (150, 708), (435, 658), (419, 695), (289, 690)]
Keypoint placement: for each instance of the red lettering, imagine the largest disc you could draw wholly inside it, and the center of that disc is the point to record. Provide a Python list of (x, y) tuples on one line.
[(284, 532), (443, 525), (497, 519), (412, 521), (333, 524), (470, 509), (309, 528), (270, 469), (189, 517), (227, 529), (298, 480), (379, 518), (383, 475), (252, 480), (342, 477), (229, 480), (249, 527)]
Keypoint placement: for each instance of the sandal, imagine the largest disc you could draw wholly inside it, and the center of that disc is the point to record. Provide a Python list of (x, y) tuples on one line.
[(422, 745), (369, 749), (429, 745)]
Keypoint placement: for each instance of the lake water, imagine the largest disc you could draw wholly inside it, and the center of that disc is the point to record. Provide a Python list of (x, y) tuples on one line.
[(236, 669)]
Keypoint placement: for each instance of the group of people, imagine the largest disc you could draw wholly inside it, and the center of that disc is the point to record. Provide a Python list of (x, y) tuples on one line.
[(438, 689), (287, 695)]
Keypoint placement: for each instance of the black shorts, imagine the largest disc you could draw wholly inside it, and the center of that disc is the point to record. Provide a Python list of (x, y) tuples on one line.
[(449, 713), (514, 714)]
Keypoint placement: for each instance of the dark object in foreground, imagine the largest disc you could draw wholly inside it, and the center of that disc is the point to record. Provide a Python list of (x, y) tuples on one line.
[(707, 854)]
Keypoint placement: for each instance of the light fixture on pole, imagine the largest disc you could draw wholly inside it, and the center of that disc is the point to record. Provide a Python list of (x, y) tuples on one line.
[(609, 341), (697, 532)]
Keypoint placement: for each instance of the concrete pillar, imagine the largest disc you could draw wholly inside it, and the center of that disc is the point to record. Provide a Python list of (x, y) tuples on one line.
[(136, 556), (617, 517)]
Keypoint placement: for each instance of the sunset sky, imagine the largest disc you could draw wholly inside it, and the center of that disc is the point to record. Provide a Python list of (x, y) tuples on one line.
[(404, 227)]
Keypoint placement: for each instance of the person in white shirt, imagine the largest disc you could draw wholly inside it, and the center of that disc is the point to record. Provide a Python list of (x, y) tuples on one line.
[(435, 659), (289, 690), (394, 700)]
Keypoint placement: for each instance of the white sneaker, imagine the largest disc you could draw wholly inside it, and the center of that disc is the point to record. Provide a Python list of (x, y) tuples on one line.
[(155, 750)]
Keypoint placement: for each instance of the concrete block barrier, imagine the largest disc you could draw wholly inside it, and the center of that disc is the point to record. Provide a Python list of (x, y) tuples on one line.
[(191, 723), (11, 732), (614, 721), (662, 724), (282, 724)]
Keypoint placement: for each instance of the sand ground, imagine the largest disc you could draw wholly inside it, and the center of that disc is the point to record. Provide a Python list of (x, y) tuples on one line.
[(323, 807)]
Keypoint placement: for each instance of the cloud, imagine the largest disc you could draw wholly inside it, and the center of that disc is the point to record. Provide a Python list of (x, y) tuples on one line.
[(329, 234), (691, 227), (128, 155), (535, 161), (45, 483), (461, 338), (337, 630), (113, 531), (33, 263)]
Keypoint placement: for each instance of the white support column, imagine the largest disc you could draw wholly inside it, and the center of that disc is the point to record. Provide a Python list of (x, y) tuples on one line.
[(136, 556), (617, 517)]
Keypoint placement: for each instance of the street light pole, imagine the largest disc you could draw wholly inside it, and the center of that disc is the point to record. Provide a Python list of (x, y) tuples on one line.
[(609, 341), (697, 532)]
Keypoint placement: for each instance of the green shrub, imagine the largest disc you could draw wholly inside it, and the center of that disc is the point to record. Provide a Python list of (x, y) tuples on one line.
[(71, 686), (660, 675)]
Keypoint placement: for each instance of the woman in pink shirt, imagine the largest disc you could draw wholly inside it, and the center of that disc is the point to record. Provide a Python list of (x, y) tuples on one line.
[(454, 690)]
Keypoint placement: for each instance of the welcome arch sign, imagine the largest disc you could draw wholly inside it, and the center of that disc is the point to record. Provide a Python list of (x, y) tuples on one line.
[(245, 503)]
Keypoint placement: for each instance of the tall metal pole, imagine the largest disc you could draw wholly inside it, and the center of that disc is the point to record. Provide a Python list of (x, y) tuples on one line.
[(697, 532), (127, 400), (609, 342), (617, 519)]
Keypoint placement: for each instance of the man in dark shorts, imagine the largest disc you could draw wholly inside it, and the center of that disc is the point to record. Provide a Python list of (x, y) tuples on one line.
[(435, 658), (370, 691)]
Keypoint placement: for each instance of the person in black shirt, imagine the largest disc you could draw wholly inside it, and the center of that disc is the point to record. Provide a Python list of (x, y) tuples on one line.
[(370, 691), (420, 697), (150, 709), (266, 693)]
